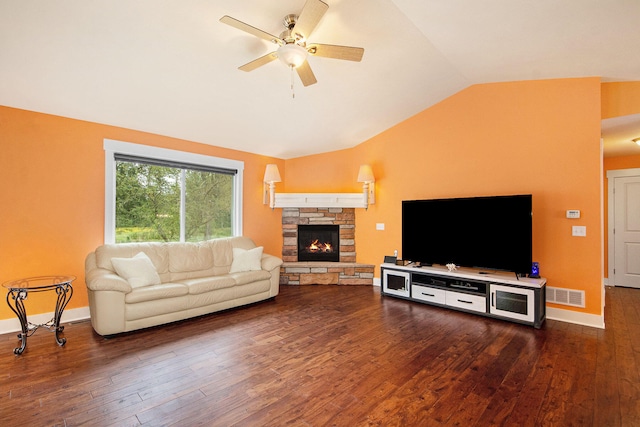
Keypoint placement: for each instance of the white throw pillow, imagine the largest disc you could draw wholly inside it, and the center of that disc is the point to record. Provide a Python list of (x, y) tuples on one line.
[(139, 270), (246, 260)]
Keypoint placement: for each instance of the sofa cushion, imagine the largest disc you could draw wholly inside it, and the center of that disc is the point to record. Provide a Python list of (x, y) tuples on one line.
[(162, 308), (222, 253), (138, 270), (156, 251), (246, 260), (243, 293), (241, 242), (245, 277), (206, 284), (156, 292), (185, 257)]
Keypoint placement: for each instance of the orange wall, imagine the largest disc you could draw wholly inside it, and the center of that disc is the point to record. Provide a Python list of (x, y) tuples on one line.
[(620, 99), (621, 162), (332, 172), (52, 196), (539, 137)]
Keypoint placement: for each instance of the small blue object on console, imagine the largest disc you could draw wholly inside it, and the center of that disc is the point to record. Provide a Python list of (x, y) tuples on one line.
[(535, 270)]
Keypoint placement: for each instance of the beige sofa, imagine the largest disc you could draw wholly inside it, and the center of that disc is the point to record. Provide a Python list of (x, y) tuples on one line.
[(138, 285)]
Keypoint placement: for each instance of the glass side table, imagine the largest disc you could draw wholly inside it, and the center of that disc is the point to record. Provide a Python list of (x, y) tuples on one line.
[(18, 290)]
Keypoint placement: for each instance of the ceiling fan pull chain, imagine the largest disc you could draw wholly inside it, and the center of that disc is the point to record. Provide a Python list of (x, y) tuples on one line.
[(293, 93)]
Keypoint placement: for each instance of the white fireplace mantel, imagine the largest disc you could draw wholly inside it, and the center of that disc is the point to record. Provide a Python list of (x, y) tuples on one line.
[(320, 200)]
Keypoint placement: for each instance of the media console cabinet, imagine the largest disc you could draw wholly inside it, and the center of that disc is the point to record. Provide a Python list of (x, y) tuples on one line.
[(499, 295)]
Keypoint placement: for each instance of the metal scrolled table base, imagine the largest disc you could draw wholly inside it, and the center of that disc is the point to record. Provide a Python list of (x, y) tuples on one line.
[(15, 300)]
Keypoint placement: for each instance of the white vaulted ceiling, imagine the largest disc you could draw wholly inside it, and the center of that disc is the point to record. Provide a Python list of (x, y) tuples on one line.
[(170, 67)]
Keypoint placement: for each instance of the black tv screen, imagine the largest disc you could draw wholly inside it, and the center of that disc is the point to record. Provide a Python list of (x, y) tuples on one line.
[(491, 233)]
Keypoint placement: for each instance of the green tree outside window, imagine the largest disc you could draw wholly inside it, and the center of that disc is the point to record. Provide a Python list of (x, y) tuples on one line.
[(149, 203)]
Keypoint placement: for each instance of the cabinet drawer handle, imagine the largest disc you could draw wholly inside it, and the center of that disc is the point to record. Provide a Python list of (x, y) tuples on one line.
[(428, 295), (466, 302)]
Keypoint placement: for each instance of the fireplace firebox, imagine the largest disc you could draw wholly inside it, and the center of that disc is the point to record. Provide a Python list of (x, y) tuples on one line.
[(319, 243)]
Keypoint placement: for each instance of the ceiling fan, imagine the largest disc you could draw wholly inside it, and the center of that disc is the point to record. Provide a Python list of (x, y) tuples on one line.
[(293, 47)]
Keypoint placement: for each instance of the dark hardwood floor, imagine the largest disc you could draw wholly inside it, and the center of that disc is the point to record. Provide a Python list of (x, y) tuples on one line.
[(329, 355)]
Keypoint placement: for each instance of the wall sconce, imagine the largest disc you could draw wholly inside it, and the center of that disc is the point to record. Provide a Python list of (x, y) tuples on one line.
[(365, 175), (636, 140), (271, 176)]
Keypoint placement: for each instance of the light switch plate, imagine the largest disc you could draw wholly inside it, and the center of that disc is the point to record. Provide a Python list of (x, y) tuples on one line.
[(579, 231), (380, 226)]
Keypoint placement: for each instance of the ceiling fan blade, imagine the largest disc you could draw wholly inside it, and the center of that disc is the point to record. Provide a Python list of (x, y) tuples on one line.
[(250, 66), (337, 52), (249, 29), (306, 75), (311, 14)]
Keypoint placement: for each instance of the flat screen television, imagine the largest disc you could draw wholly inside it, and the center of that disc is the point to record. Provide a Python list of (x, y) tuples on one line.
[(490, 233)]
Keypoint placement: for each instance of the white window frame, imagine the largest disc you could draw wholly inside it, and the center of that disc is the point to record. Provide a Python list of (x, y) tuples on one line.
[(111, 147)]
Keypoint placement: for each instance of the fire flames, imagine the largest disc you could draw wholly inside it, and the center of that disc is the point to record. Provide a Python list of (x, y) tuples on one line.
[(316, 247)]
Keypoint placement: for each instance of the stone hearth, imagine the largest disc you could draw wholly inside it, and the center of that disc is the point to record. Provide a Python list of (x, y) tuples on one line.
[(326, 273), (345, 272)]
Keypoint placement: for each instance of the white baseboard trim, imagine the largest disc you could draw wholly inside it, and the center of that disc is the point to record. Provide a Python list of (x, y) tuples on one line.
[(376, 281), (71, 315), (592, 320)]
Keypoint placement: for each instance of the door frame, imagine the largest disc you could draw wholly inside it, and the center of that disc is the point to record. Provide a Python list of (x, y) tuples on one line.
[(611, 176)]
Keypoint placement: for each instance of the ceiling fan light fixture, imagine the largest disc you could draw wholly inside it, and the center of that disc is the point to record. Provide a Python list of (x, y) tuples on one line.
[(293, 55), (292, 42)]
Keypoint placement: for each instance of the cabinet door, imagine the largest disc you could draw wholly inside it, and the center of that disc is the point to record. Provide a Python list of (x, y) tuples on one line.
[(395, 282), (515, 303)]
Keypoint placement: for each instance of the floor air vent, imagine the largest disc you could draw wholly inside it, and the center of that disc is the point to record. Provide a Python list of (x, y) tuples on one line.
[(565, 296)]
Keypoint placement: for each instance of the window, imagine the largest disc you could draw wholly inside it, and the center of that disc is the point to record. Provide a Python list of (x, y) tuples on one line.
[(155, 194)]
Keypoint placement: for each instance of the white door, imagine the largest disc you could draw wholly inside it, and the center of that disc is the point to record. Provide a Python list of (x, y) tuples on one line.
[(627, 231)]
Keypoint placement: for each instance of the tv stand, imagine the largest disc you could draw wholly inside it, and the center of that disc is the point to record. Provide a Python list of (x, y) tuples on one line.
[(498, 295)]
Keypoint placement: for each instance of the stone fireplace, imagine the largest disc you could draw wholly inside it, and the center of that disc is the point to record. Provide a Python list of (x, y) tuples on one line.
[(321, 265)]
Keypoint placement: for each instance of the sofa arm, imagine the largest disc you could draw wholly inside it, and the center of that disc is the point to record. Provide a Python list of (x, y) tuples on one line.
[(105, 280), (269, 262)]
